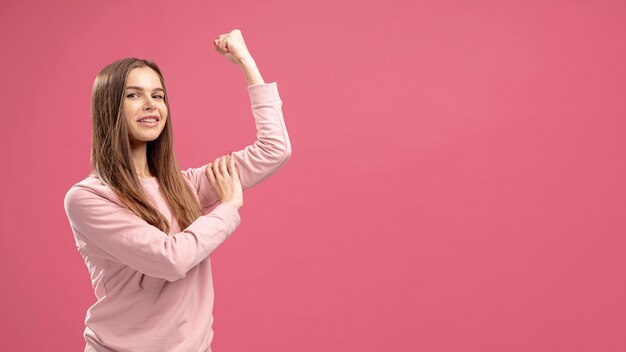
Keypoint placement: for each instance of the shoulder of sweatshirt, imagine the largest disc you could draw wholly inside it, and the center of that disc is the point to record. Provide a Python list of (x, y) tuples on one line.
[(94, 185), (98, 188)]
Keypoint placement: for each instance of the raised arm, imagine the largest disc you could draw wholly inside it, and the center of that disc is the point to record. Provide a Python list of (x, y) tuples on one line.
[(104, 228), (272, 148), (259, 160)]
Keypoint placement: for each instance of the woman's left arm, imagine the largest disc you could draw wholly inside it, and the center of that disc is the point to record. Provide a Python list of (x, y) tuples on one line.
[(259, 160), (272, 148)]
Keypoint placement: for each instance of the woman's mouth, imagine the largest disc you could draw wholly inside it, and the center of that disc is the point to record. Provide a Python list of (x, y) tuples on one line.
[(149, 123)]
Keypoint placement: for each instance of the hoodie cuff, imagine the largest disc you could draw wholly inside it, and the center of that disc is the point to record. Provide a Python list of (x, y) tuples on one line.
[(264, 93)]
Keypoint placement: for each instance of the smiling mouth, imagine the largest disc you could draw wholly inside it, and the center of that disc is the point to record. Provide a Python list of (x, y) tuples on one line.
[(152, 117), (148, 124)]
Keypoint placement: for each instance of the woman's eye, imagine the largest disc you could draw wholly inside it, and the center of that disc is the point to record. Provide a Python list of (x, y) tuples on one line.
[(133, 94)]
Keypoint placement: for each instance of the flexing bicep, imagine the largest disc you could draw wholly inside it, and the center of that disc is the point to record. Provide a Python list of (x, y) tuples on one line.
[(272, 148), (259, 160)]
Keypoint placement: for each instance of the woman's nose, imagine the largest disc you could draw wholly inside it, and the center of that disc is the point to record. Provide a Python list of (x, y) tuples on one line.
[(151, 104)]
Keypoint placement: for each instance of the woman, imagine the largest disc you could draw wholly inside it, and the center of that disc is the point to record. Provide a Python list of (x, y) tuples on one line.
[(144, 227)]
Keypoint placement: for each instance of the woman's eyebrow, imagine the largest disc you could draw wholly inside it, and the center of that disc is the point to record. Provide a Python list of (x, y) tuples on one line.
[(140, 88)]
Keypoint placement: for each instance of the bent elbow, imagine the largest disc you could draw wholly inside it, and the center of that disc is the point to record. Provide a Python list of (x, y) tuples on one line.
[(286, 152), (176, 267), (286, 156), (176, 273), (175, 277)]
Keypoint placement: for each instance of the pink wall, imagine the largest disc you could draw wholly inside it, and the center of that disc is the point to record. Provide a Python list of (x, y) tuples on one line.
[(456, 183)]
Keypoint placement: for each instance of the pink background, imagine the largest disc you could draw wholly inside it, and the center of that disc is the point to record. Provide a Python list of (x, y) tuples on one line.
[(456, 183)]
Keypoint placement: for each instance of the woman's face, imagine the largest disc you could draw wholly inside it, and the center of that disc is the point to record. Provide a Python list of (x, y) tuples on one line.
[(143, 98)]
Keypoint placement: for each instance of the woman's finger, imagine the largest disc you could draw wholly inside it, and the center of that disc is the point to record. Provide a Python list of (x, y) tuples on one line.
[(232, 168), (216, 168), (223, 166), (219, 38), (209, 172)]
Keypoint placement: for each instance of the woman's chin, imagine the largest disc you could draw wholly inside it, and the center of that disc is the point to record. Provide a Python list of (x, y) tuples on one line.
[(146, 137)]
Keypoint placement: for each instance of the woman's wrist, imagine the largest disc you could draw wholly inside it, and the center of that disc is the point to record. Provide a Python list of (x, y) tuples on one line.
[(237, 206), (250, 70), (246, 61)]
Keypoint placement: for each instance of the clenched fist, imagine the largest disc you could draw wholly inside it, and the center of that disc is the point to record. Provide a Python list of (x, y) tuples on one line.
[(232, 46)]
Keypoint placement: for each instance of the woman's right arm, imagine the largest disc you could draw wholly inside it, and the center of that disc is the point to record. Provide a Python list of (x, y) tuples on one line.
[(118, 233)]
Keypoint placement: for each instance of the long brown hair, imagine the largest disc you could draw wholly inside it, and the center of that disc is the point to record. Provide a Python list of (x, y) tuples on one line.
[(111, 159)]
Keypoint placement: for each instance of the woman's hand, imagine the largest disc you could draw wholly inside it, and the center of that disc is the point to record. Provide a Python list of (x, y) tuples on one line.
[(224, 178), (232, 47)]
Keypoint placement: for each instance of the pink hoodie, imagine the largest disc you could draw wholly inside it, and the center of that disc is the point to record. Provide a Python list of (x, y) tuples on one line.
[(155, 290)]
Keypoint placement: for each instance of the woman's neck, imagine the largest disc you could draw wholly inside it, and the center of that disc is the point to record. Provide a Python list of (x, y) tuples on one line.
[(140, 162)]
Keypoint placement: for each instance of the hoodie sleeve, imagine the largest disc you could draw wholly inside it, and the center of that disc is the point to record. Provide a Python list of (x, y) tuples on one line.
[(259, 160), (115, 232)]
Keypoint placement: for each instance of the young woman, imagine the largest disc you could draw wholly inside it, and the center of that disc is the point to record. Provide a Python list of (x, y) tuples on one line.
[(146, 228)]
